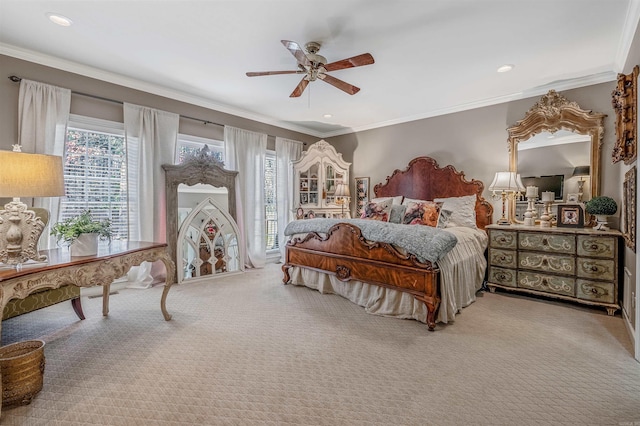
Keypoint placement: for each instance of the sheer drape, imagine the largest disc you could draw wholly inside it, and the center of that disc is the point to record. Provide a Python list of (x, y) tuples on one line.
[(245, 152), (43, 113), (287, 150), (151, 137)]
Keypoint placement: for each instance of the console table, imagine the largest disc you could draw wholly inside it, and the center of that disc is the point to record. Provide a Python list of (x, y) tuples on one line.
[(113, 261)]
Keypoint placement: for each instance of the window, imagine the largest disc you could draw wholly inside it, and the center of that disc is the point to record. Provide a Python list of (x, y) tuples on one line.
[(189, 145), (95, 172), (270, 198)]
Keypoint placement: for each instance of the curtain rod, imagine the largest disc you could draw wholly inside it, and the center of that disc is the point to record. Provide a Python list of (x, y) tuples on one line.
[(17, 79)]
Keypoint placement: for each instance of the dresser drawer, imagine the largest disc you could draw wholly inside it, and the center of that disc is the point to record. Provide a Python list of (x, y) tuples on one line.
[(551, 243), (502, 276), (503, 239), (593, 246), (547, 283), (596, 291), (599, 269), (505, 258), (555, 263)]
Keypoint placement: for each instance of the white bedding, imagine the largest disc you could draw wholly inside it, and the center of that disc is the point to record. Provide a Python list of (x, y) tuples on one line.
[(461, 275)]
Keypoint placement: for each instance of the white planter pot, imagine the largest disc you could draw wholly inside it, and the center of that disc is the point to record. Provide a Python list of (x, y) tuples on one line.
[(601, 222), (85, 245)]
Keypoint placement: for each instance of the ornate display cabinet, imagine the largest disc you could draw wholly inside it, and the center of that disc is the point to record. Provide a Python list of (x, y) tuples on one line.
[(317, 174), (579, 264)]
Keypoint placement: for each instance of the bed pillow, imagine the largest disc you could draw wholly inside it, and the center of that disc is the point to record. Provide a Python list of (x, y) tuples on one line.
[(443, 219), (463, 210), (397, 213), (378, 211), (422, 213), (396, 200)]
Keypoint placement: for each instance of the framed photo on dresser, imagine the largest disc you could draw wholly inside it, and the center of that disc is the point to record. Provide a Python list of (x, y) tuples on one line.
[(570, 216)]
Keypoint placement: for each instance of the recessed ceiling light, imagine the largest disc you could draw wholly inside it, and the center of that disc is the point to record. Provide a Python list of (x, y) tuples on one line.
[(506, 68), (59, 19), (327, 116)]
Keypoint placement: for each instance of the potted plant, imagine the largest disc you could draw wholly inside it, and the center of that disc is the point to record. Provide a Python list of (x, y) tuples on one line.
[(601, 207), (82, 232)]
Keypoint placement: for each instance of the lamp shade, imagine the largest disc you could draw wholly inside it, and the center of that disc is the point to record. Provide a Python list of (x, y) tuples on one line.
[(506, 181), (30, 175), (581, 171), (342, 190)]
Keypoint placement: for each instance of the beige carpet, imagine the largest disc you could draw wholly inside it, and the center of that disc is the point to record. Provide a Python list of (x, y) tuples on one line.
[(249, 350)]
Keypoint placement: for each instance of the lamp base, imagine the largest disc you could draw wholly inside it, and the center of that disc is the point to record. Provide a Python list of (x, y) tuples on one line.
[(503, 221), (20, 231)]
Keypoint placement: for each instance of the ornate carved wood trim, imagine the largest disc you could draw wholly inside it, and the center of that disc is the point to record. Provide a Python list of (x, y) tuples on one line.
[(424, 179), (625, 103), (551, 113)]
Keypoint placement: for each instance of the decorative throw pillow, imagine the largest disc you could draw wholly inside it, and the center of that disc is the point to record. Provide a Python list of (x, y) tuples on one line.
[(463, 208), (396, 200), (444, 217), (397, 213), (378, 211), (422, 213)]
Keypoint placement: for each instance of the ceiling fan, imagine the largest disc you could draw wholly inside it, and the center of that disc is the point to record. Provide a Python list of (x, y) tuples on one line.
[(315, 67)]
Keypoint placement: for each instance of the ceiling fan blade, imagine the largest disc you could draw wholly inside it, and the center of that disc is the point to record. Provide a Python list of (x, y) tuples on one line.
[(257, 74), (342, 85), (296, 51), (356, 61), (299, 88)]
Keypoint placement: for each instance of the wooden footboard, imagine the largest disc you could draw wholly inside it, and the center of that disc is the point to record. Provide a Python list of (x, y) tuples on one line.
[(344, 253)]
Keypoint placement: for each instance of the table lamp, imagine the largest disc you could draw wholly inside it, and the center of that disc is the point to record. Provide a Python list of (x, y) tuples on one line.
[(25, 175), (507, 185), (342, 195)]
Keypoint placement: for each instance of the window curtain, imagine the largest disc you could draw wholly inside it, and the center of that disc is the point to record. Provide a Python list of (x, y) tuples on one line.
[(43, 114), (151, 137), (245, 152), (287, 150)]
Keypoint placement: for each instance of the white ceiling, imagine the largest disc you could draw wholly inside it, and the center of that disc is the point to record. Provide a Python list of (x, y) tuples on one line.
[(432, 57)]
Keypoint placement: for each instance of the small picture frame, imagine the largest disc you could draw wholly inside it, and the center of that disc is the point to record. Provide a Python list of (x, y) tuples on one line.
[(300, 213), (573, 198), (570, 216), (311, 214)]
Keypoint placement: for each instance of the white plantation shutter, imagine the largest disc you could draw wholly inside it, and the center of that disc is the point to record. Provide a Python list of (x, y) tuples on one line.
[(95, 168)]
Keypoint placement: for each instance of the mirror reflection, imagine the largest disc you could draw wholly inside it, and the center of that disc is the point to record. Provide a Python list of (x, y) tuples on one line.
[(207, 236), (556, 148)]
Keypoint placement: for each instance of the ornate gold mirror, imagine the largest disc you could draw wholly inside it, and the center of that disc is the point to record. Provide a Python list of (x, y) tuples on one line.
[(555, 142)]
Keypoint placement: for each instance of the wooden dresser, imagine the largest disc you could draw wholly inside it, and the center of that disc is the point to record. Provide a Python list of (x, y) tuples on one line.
[(580, 265)]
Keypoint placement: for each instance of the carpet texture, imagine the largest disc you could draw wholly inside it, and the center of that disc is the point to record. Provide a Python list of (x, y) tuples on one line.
[(247, 350)]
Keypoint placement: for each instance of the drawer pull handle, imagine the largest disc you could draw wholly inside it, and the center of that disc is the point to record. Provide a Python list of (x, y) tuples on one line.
[(544, 282), (594, 290), (545, 242), (594, 269), (544, 262), (594, 246)]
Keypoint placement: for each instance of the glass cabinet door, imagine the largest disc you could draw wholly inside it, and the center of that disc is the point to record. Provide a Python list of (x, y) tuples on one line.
[(310, 186), (333, 177)]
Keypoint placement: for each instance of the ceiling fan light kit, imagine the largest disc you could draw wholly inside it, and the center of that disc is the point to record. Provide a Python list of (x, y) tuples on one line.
[(315, 67)]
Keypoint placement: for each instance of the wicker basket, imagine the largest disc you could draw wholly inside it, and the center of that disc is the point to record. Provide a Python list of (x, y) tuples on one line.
[(22, 367)]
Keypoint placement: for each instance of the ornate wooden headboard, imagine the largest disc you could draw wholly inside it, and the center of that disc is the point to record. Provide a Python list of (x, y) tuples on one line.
[(423, 179)]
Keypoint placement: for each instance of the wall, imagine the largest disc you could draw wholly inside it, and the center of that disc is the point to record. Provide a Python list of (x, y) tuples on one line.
[(105, 110)]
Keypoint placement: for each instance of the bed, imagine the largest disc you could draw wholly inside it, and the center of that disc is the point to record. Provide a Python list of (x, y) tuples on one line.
[(386, 277)]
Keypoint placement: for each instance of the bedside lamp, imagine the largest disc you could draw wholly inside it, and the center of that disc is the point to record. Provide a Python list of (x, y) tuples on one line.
[(25, 175), (342, 195), (507, 185), (581, 171)]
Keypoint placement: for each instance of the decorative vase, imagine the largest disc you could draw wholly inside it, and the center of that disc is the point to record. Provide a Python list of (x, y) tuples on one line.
[(601, 222), (84, 245)]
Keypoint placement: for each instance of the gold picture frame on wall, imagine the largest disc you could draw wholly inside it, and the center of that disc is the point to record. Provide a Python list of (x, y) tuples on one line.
[(625, 104), (629, 211)]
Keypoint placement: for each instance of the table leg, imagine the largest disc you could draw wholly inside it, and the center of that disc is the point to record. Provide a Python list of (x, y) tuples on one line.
[(106, 289)]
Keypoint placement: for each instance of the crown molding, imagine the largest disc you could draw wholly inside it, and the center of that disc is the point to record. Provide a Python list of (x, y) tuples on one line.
[(109, 77)]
